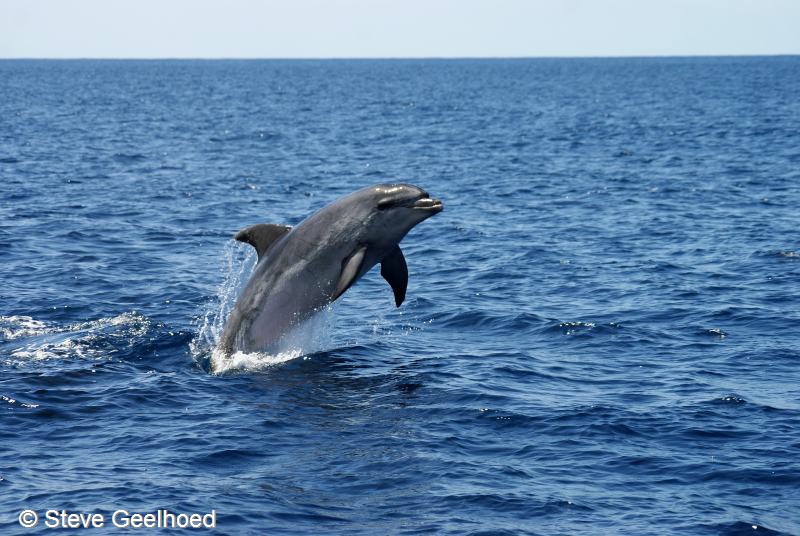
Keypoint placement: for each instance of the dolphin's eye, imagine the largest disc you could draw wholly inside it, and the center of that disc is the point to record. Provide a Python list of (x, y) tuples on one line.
[(383, 204)]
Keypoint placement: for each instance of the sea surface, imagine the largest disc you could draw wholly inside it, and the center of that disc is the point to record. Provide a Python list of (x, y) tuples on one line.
[(602, 329)]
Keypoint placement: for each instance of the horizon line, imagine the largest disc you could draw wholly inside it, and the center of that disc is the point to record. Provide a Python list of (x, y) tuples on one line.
[(388, 58)]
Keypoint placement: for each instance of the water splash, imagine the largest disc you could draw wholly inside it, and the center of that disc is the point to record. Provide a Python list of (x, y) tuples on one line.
[(312, 335), (238, 262), (308, 337)]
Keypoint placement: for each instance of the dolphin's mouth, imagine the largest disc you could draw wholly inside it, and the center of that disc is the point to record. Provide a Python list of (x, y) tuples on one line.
[(426, 203)]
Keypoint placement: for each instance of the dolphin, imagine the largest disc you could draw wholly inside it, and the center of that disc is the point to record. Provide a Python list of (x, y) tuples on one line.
[(302, 269)]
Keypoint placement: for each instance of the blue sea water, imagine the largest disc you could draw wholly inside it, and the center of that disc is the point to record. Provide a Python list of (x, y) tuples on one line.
[(601, 334)]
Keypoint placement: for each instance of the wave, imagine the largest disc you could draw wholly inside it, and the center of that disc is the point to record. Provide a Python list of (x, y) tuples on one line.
[(14, 327), (129, 158), (18, 403), (28, 339), (516, 322), (733, 528)]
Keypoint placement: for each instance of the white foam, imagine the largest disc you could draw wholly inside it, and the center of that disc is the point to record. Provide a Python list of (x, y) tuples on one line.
[(242, 361), (39, 340), (311, 336), (61, 349), (14, 327)]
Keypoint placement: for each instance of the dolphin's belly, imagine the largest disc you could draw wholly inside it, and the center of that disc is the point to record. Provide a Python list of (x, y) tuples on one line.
[(291, 299)]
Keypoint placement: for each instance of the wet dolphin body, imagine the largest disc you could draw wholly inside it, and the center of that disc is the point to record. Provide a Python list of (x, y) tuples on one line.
[(304, 268)]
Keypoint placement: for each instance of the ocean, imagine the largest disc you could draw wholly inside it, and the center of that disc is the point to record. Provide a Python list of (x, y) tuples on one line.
[(601, 333)]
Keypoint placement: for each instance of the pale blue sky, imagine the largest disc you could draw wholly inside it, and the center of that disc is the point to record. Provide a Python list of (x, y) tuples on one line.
[(401, 28)]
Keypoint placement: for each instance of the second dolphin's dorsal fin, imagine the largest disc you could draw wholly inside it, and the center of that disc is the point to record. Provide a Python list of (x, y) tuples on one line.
[(395, 271), (262, 235)]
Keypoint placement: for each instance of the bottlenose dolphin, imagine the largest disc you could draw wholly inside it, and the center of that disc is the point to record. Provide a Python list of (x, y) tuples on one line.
[(302, 269)]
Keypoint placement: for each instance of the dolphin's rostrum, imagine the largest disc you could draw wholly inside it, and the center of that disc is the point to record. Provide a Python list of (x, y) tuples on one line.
[(304, 268)]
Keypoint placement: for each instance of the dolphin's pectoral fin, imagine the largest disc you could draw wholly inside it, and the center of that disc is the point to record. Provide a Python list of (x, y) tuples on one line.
[(351, 267), (395, 271), (262, 235)]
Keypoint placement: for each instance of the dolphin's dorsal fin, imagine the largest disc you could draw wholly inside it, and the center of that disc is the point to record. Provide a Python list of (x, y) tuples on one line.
[(262, 235), (351, 267), (395, 271)]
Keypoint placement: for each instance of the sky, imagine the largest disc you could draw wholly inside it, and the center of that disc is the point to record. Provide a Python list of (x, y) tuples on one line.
[(398, 28)]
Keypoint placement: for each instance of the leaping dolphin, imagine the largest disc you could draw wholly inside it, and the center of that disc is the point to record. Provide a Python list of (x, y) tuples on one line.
[(302, 269)]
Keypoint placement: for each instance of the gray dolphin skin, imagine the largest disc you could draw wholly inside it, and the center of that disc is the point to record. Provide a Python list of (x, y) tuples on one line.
[(302, 269)]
